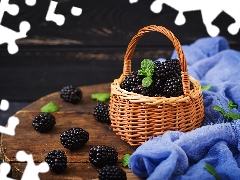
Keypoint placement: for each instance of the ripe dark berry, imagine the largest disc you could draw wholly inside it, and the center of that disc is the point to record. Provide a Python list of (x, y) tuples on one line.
[(101, 112), (102, 155), (112, 173), (56, 160), (173, 87), (44, 122), (74, 138), (131, 82), (71, 94)]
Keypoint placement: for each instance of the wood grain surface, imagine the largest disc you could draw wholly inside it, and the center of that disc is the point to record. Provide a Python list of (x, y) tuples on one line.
[(68, 116), (89, 48)]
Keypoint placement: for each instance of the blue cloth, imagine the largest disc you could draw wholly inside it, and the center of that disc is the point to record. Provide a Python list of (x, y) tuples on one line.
[(182, 156)]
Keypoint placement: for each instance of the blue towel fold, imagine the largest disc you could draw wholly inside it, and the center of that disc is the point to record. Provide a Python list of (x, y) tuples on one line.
[(182, 156)]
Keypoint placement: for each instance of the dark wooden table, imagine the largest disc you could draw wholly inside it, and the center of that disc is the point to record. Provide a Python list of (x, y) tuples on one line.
[(69, 115)]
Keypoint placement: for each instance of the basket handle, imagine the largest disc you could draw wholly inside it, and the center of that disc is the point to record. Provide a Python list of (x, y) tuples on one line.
[(176, 44)]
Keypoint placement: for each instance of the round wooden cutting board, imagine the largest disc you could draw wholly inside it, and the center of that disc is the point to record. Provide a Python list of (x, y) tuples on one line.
[(68, 116)]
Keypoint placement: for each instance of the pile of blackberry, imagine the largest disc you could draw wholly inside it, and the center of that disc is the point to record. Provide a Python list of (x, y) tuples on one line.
[(166, 78), (74, 138), (71, 94), (112, 173), (101, 112), (43, 122), (102, 155), (56, 160)]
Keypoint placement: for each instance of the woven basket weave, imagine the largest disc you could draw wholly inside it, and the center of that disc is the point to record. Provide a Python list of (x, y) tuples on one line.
[(136, 118)]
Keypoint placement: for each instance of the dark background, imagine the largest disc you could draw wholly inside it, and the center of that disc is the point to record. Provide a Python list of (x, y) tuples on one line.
[(89, 48)]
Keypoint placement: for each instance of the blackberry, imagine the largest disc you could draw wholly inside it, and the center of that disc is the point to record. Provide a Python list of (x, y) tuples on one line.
[(131, 82), (101, 112), (74, 138), (173, 87), (102, 155), (44, 122), (112, 173), (71, 94), (56, 160)]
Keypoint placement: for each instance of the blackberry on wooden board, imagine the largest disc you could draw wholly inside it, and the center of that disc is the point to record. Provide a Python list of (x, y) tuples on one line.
[(71, 94), (57, 160), (74, 138), (111, 173), (102, 155), (101, 112), (44, 122)]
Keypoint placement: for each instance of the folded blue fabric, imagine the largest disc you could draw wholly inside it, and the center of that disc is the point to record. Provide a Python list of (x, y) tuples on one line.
[(182, 156)]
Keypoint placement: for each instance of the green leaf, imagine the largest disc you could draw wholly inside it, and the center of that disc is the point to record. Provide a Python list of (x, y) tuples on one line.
[(219, 109), (231, 105), (233, 116), (102, 97), (147, 81), (207, 87), (212, 171), (50, 107), (125, 160)]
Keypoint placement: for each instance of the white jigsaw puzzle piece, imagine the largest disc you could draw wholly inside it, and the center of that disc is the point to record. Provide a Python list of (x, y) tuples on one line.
[(133, 1), (4, 105), (4, 170), (8, 35), (31, 171), (11, 125), (30, 2), (231, 7), (51, 16)]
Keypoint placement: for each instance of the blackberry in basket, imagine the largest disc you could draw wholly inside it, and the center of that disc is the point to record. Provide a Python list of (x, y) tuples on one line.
[(112, 173), (56, 160), (44, 122), (71, 94), (102, 155), (74, 138)]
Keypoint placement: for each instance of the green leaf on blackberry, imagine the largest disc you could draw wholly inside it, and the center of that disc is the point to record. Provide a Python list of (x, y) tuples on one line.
[(147, 81), (206, 87), (57, 161), (111, 173), (49, 107), (231, 105), (125, 160), (147, 68), (102, 97)]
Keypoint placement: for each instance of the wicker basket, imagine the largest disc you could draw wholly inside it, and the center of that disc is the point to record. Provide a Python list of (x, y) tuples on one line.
[(136, 118)]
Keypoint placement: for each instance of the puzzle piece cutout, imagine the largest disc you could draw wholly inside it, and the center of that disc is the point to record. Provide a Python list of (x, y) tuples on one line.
[(209, 10), (59, 19), (30, 2), (4, 170), (133, 1), (8, 35), (11, 125), (31, 171), (4, 105)]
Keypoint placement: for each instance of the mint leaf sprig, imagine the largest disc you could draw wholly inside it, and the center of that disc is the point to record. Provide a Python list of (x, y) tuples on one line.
[(125, 161), (228, 115), (147, 69)]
